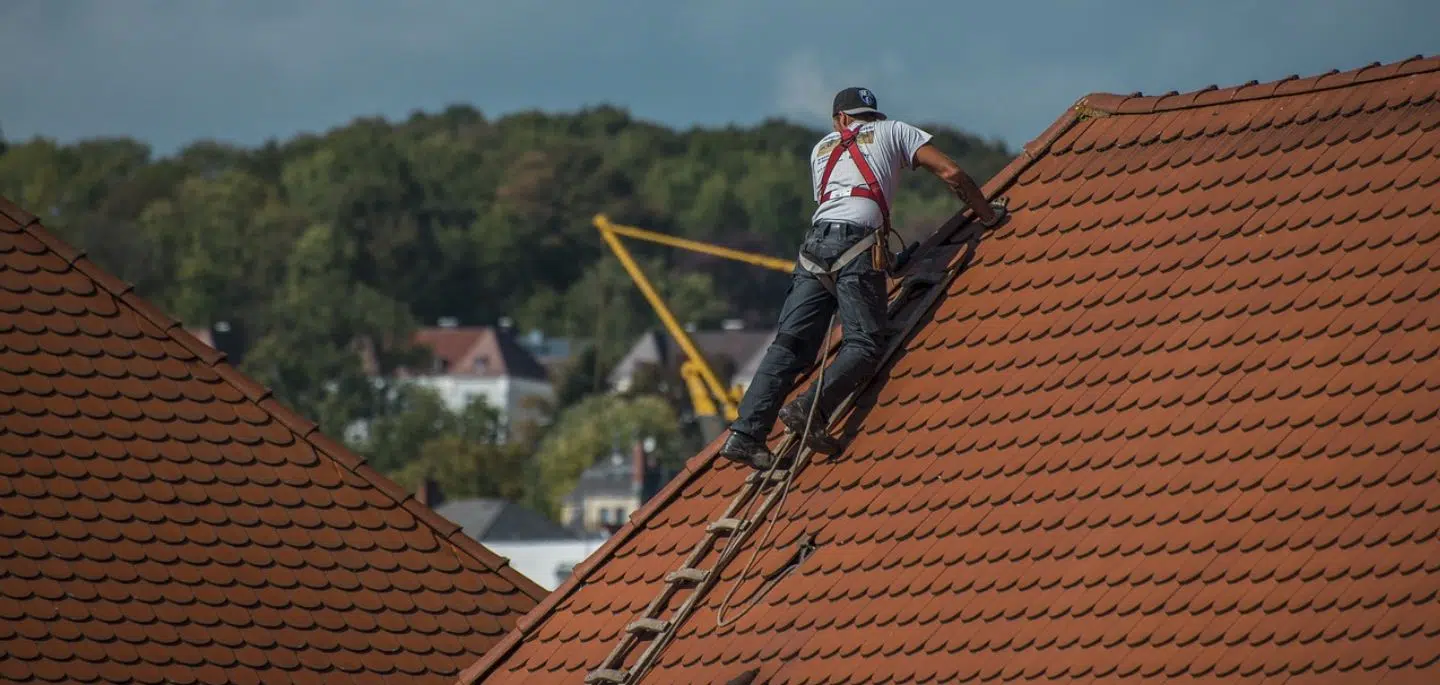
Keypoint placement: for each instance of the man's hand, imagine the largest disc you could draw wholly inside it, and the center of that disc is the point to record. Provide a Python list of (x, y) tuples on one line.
[(1001, 211)]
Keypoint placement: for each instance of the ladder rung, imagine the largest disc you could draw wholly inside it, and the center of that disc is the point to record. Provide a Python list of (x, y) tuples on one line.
[(607, 675), (651, 626), (725, 525), (686, 575), (776, 476)]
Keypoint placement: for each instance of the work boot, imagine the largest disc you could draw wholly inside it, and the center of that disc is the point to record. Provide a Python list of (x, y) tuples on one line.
[(747, 451), (794, 416)]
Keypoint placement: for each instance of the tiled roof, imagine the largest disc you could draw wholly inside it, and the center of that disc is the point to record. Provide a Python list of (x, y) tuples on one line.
[(1175, 422), (163, 519), (481, 351)]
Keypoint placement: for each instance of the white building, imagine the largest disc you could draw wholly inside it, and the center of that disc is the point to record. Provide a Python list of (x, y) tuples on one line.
[(539, 548), (547, 562), (484, 361)]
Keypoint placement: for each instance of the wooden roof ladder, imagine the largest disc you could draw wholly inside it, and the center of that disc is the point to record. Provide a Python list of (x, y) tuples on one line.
[(736, 524)]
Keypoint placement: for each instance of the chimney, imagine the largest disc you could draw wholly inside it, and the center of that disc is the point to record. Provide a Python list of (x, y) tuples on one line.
[(649, 476), (429, 493), (228, 337), (639, 466)]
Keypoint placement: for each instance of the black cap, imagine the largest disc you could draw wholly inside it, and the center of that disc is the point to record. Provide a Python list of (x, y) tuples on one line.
[(855, 100)]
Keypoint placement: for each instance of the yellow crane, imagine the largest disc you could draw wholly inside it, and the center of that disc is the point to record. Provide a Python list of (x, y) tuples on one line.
[(706, 390)]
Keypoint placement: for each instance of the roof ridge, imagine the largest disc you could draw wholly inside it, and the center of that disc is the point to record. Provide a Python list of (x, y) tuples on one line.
[(1138, 103), (304, 429)]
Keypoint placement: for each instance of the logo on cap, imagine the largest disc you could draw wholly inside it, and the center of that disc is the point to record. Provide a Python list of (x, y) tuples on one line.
[(867, 97)]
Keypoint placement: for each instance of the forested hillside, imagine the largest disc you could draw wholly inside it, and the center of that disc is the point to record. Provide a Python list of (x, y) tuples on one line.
[(376, 227)]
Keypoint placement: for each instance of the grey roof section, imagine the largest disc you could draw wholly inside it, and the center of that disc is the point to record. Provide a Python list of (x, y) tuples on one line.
[(645, 350), (748, 367), (519, 361), (612, 476), (488, 520), (721, 348)]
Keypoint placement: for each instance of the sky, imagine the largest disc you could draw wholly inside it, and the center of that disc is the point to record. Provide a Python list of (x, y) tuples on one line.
[(170, 73)]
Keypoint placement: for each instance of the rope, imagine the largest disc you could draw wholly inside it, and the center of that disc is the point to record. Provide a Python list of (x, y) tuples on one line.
[(720, 621), (727, 552)]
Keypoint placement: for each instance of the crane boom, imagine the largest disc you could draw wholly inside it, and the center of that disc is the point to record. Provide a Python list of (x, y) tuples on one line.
[(699, 377), (775, 263)]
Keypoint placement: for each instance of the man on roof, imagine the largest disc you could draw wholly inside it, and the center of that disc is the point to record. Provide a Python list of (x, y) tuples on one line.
[(843, 264)]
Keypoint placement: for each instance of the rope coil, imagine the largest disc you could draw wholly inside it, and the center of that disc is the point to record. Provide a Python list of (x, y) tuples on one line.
[(772, 514)]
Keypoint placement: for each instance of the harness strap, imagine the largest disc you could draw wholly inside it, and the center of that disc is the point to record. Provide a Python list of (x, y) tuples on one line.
[(849, 140), (871, 189), (826, 272)]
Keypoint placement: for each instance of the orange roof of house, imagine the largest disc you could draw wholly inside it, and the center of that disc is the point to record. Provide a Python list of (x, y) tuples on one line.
[(164, 519), (480, 351), (1177, 419)]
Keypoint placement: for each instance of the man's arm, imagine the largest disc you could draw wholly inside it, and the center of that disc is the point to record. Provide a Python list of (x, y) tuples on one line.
[(930, 158)]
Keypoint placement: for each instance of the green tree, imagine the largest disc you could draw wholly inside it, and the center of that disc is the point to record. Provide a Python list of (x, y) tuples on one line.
[(462, 469), (323, 328), (596, 426), (330, 248), (419, 438), (227, 239)]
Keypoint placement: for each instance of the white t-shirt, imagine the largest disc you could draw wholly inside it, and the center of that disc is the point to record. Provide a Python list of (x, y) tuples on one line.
[(888, 146)]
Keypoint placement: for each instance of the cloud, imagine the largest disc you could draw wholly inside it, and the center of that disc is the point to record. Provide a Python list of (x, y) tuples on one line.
[(805, 87), (801, 88)]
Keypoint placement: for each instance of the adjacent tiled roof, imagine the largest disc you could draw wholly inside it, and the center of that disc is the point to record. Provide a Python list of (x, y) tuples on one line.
[(496, 351), (1175, 422), (163, 519), (491, 519)]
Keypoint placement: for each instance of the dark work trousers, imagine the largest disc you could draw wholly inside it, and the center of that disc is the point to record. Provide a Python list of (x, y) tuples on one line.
[(860, 289)]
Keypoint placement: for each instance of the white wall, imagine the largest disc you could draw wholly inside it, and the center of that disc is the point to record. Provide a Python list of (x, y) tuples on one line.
[(518, 390), (456, 391), (503, 393), (539, 561)]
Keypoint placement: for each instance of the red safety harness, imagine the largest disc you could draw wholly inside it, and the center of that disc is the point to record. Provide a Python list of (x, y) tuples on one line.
[(849, 141)]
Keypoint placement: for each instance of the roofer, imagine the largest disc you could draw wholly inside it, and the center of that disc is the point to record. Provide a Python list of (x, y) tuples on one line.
[(852, 219)]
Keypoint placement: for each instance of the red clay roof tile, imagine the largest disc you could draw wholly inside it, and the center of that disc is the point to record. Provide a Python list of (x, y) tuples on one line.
[(1177, 419), (163, 519)]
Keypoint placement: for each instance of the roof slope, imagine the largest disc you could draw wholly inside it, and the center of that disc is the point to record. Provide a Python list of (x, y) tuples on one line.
[(481, 351), (724, 350), (1175, 420), (492, 519), (163, 519)]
